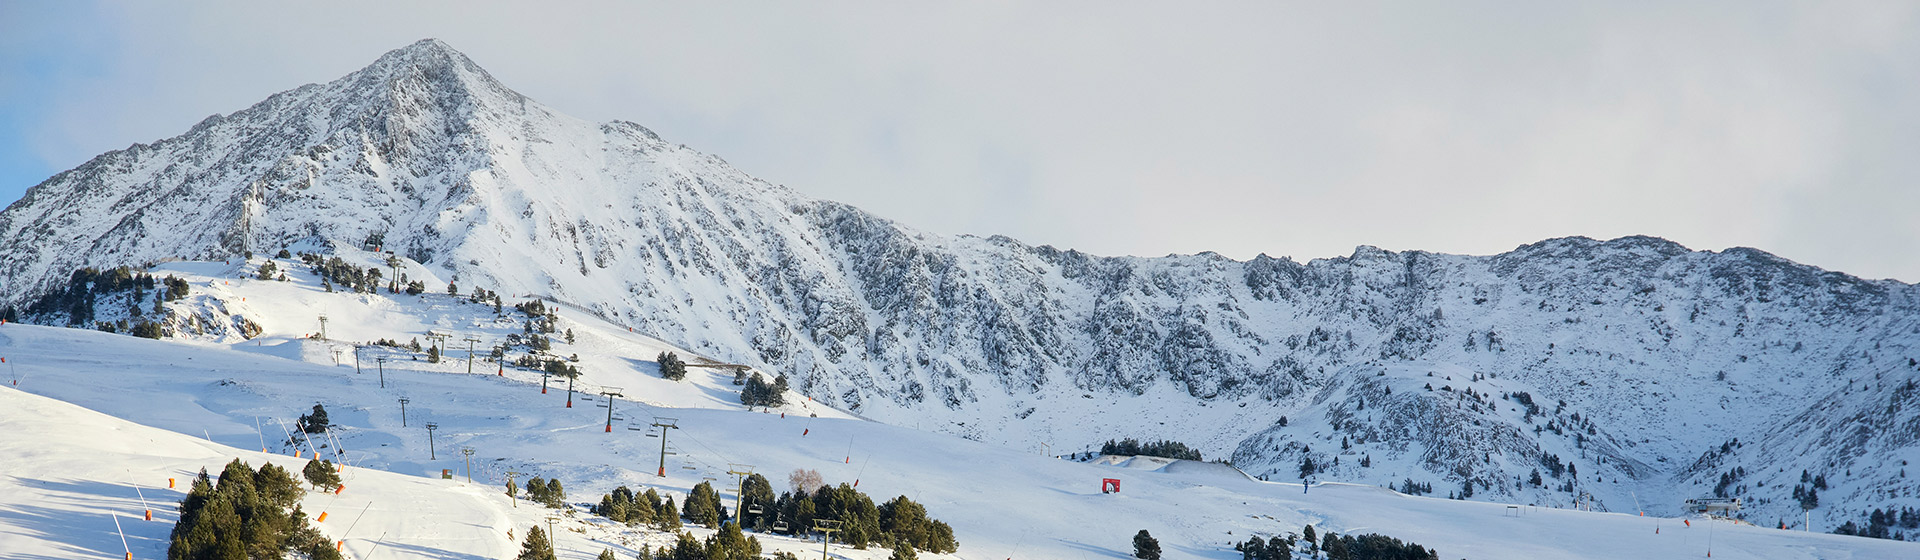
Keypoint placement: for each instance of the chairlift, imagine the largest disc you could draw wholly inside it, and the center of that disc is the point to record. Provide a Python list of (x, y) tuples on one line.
[(637, 428), (755, 509), (780, 525)]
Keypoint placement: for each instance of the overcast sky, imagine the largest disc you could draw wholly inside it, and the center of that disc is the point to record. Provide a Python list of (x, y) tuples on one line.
[(1117, 128)]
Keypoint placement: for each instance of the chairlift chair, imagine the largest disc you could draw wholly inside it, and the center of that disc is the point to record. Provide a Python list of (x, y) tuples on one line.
[(779, 524), (755, 509)]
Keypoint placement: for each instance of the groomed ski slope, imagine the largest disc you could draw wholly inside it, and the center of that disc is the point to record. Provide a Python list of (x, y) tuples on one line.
[(64, 464)]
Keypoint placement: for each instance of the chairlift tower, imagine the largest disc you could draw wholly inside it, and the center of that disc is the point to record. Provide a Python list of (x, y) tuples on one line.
[(827, 527), (610, 393), (470, 340), (381, 362), (739, 473), (468, 452), (511, 497), (431, 454), (439, 341), (570, 390), (323, 326), (664, 424), (403, 411)]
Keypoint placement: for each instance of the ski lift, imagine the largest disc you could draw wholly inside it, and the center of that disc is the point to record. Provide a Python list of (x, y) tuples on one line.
[(755, 509), (636, 429), (779, 524)]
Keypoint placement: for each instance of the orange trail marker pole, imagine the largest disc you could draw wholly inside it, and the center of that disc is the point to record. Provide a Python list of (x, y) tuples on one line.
[(142, 495), (123, 536)]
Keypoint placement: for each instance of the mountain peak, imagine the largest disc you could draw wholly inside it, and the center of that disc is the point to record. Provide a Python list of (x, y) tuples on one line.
[(428, 65), (427, 52)]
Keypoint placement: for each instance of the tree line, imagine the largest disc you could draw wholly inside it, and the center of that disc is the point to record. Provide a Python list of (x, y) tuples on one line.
[(898, 523), (1164, 448)]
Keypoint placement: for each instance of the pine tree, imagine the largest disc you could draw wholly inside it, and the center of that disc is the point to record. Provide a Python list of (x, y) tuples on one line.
[(314, 423), (1145, 546), (666, 518), (537, 547), (555, 496), (321, 474), (537, 490), (731, 544), (605, 554), (702, 505), (685, 547), (671, 367), (245, 515), (903, 550)]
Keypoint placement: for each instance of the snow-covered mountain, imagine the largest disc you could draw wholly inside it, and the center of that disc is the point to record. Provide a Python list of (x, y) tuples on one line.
[(91, 439), (1644, 362)]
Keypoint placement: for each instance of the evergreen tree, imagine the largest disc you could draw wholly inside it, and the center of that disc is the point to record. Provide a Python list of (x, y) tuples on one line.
[(605, 554), (537, 547), (247, 514), (1145, 546), (902, 550), (667, 518), (148, 329), (730, 544), (321, 474), (277, 487), (686, 548), (1254, 548), (756, 490), (1335, 548), (537, 490), (942, 541), (702, 505), (316, 422), (555, 496)]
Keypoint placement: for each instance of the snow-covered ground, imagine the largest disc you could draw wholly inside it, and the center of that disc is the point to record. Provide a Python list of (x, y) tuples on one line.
[(213, 400)]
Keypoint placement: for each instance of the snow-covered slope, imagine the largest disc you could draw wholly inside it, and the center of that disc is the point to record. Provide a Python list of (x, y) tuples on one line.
[(70, 469), (1664, 353)]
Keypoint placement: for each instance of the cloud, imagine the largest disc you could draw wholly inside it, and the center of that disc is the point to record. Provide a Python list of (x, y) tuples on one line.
[(1290, 129)]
